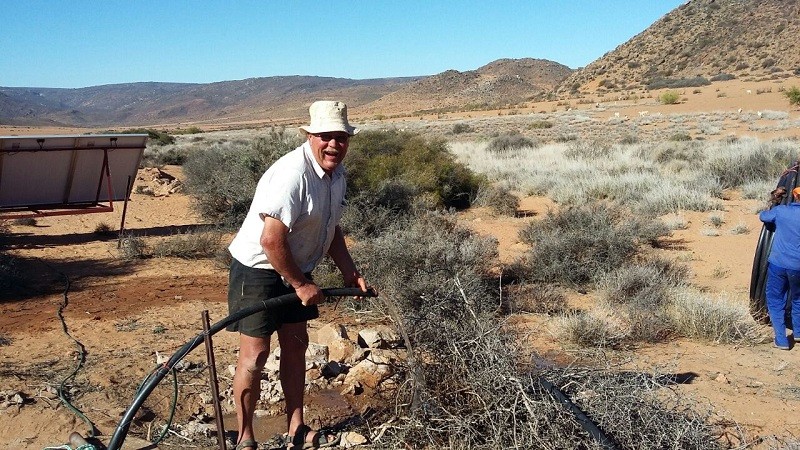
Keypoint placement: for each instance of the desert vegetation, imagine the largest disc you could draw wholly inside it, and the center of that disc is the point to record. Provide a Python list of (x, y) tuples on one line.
[(466, 380)]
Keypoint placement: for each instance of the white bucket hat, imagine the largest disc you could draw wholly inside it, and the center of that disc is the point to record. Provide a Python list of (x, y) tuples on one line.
[(328, 116)]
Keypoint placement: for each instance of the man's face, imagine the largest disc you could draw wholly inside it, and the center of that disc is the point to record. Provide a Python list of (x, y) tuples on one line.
[(329, 148)]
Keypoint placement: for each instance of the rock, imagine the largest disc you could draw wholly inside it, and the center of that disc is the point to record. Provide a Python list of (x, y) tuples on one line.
[(333, 369), (379, 337), (372, 370), (352, 439), (316, 355), (721, 378), (330, 332), (342, 350)]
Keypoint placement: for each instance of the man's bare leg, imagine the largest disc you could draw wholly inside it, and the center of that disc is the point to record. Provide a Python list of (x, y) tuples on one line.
[(293, 339), (253, 353)]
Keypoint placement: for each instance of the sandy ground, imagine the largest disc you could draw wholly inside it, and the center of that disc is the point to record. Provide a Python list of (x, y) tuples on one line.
[(123, 312)]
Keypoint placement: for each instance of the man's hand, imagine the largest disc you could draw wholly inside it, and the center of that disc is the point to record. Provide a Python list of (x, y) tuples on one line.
[(309, 294), (356, 280), (776, 196)]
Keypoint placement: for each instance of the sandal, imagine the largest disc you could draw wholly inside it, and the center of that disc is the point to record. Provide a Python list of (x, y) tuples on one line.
[(247, 443), (321, 439)]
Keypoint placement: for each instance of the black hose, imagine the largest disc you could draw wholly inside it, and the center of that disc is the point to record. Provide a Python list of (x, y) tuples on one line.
[(583, 420), (154, 378)]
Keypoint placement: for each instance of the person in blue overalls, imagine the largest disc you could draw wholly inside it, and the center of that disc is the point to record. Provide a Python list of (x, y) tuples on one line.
[(783, 270)]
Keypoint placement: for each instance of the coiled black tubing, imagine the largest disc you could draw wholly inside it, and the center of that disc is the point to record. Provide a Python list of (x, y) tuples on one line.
[(156, 376)]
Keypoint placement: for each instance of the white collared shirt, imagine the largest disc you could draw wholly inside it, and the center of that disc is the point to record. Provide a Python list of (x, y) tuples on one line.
[(296, 191)]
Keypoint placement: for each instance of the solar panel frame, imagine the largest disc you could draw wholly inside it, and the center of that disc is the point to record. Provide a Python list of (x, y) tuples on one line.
[(68, 171)]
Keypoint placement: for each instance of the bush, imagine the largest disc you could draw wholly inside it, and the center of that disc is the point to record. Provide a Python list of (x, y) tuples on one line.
[(669, 98), (222, 178), (678, 83), (464, 372), (189, 245), (578, 244), (751, 163), (540, 298), (159, 156), (462, 128), (508, 143), (9, 272), (793, 94), (644, 292), (500, 199), (408, 161), (156, 136), (26, 222), (132, 247), (723, 77), (103, 229), (540, 125), (680, 137), (695, 315)]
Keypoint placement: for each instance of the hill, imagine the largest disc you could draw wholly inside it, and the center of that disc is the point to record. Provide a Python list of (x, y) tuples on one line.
[(701, 39), (275, 99), (172, 103), (501, 83)]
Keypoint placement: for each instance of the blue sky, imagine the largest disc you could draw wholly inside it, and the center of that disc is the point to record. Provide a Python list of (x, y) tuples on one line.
[(82, 43)]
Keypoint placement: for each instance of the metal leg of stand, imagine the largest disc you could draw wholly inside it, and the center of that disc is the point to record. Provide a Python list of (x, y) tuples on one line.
[(212, 372)]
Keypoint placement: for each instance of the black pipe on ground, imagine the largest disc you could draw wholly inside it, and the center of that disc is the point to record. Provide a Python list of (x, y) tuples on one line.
[(152, 381)]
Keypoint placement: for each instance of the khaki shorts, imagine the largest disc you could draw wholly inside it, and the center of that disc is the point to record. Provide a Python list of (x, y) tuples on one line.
[(248, 287)]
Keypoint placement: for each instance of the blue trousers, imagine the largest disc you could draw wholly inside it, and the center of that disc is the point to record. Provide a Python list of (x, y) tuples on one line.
[(781, 281)]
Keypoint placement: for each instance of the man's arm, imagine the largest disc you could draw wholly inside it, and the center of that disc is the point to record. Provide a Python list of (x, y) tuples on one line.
[(274, 240), (769, 215), (341, 257)]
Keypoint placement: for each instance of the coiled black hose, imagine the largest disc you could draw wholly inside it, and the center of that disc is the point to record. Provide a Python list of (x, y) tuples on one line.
[(155, 377)]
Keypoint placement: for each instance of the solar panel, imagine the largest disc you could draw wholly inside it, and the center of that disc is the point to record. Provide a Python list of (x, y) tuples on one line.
[(67, 171)]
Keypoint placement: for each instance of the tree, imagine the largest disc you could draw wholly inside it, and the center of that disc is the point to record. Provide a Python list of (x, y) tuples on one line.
[(793, 95)]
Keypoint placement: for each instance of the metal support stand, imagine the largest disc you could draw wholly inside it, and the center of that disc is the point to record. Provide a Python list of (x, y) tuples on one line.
[(212, 372), (124, 211)]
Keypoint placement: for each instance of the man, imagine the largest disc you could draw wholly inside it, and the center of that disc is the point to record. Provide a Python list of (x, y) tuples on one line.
[(292, 223), (783, 271)]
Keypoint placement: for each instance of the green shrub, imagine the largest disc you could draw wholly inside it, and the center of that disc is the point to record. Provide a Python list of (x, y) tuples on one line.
[(9, 272), (156, 136), (669, 98), (793, 94), (190, 130), (381, 163)]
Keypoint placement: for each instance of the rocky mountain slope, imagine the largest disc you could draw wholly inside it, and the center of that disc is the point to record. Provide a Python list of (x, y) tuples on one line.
[(710, 39)]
